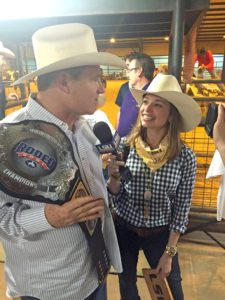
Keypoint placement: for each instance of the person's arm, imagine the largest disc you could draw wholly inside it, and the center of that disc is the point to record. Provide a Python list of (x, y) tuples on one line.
[(181, 207), (195, 58), (114, 175), (19, 220), (74, 211), (219, 132), (165, 263), (210, 65), (119, 99), (181, 203), (117, 119)]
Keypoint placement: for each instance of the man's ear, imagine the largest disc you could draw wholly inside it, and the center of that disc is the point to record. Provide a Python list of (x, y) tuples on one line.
[(62, 82), (139, 71)]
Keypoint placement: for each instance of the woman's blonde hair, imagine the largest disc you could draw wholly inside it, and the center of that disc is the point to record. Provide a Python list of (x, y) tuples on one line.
[(164, 69), (174, 129)]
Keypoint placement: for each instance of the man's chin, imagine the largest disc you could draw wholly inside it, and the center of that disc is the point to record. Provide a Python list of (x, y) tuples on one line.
[(91, 111)]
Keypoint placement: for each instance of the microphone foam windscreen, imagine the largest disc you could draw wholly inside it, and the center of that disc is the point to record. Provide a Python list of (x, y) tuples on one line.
[(103, 132)]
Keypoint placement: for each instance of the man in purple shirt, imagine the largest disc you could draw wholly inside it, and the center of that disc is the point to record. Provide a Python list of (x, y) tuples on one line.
[(140, 73)]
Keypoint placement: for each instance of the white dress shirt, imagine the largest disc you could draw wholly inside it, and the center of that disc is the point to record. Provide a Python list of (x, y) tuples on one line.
[(54, 263), (217, 168)]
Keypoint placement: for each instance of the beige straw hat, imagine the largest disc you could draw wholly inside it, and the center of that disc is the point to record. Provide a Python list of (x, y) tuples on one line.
[(168, 88)]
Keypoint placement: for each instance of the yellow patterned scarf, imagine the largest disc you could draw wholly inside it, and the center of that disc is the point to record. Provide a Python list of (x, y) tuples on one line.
[(155, 158)]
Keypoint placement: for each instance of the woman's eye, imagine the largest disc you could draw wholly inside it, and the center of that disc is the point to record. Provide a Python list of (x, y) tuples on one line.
[(145, 101), (158, 105)]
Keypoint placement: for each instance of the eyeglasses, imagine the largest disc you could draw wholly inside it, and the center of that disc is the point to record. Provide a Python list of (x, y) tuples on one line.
[(101, 81), (130, 70)]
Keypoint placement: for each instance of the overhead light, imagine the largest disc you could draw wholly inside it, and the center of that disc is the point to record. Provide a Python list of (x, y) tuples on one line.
[(112, 40), (224, 36), (166, 38)]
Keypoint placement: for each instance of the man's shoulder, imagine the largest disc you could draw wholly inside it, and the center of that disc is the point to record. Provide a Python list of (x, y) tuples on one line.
[(127, 96), (124, 86), (16, 116), (121, 94)]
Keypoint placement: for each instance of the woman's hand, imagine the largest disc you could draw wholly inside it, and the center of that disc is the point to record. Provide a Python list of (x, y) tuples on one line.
[(114, 174), (113, 166), (164, 266)]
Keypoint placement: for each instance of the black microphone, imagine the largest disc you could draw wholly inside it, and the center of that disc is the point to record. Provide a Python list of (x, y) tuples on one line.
[(110, 144)]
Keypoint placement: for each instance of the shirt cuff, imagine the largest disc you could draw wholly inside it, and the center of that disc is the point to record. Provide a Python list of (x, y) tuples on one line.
[(33, 220)]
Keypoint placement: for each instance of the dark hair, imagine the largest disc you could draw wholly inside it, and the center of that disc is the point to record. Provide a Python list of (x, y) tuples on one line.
[(44, 81), (145, 62), (201, 51)]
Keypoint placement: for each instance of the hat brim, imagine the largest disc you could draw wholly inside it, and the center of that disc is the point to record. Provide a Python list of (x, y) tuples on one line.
[(88, 59), (7, 53), (188, 108)]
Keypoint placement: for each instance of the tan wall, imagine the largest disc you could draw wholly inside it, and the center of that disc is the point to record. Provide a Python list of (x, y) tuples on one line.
[(162, 48), (215, 47), (149, 48)]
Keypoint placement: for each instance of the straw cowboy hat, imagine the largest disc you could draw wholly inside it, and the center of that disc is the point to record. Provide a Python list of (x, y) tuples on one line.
[(6, 52), (66, 46), (168, 88)]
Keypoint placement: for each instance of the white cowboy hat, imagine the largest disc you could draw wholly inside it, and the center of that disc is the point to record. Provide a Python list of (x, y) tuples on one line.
[(6, 52), (168, 88), (66, 46)]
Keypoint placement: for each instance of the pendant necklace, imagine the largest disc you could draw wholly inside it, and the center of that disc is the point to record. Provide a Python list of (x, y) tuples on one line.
[(148, 196)]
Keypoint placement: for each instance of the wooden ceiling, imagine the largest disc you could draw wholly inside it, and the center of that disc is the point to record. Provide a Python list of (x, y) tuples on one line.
[(212, 26), (126, 20), (131, 22)]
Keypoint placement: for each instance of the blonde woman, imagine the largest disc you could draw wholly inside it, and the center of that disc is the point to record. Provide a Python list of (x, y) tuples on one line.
[(163, 69), (151, 211)]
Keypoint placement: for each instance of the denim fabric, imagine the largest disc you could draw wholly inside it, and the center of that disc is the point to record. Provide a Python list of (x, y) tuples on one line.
[(153, 248), (99, 294)]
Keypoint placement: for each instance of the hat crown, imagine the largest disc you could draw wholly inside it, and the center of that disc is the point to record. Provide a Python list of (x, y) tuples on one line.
[(5, 51), (67, 46), (164, 83), (56, 43)]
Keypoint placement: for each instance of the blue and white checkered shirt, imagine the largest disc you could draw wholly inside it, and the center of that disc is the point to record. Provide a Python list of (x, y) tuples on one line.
[(171, 192)]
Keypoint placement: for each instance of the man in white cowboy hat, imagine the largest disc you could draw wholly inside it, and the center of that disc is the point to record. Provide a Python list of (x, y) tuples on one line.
[(48, 256), (4, 52)]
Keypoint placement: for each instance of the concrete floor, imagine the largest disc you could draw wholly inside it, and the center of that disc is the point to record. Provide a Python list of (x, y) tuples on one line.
[(202, 264)]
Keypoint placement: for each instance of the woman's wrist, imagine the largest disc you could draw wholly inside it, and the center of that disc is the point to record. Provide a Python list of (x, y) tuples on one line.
[(113, 184)]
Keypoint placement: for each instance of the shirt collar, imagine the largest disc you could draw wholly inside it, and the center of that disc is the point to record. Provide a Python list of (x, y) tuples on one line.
[(38, 112)]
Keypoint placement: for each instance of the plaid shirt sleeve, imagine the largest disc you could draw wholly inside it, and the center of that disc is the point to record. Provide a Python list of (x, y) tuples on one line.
[(185, 188)]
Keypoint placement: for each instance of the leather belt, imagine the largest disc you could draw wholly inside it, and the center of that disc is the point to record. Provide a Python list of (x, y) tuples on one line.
[(140, 231)]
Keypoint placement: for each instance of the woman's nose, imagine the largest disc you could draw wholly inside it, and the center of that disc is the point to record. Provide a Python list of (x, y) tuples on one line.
[(149, 107)]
